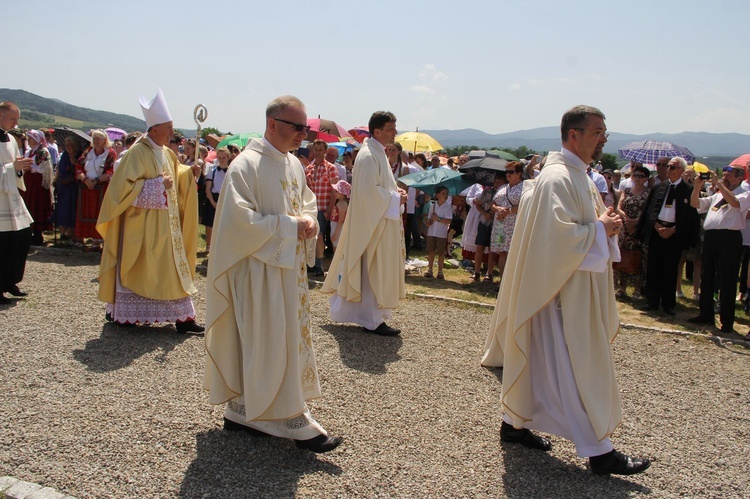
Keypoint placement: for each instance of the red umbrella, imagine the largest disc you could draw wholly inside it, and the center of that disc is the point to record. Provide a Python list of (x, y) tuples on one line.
[(743, 161), (360, 133), (327, 130)]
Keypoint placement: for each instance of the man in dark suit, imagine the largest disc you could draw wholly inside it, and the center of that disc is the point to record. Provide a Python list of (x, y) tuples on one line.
[(667, 226)]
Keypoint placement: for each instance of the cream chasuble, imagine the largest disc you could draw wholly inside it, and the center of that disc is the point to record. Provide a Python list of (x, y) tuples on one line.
[(258, 327), (548, 283), (153, 248), (372, 236)]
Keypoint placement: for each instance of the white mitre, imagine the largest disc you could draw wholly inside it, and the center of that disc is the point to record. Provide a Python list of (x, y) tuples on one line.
[(155, 112)]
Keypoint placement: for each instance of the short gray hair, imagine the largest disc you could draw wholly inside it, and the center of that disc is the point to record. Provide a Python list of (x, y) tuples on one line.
[(280, 104), (680, 160)]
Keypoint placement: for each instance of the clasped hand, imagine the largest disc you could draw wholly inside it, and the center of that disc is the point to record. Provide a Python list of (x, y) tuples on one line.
[(306, 228), (612, 221)]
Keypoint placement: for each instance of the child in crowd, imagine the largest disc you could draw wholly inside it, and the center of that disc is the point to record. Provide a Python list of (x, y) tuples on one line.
[(341, 193), (214, 180), (438, 219)]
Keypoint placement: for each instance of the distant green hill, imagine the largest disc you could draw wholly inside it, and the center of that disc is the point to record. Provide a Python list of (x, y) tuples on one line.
[(39, 112)]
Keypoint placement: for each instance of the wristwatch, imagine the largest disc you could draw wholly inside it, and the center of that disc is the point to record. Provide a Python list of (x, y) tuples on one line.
[(440, 219)]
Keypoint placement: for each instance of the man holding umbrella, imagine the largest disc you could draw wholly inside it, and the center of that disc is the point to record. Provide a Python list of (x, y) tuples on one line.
[(366, 275)]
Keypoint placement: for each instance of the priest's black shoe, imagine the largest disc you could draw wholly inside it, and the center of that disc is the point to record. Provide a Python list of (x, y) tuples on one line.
[(320, 444), (383, 330), (4, 300), (189, 327), (648, 308), (698, 319), (617, 463), (670, 312), (524, 437), (232, 426), (15, 291)]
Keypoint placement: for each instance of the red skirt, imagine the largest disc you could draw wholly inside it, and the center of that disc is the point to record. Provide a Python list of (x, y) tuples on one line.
[(87, 211), (37, 200)]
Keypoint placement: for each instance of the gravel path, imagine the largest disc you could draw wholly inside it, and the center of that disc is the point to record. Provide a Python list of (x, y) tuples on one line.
[(96, 411)]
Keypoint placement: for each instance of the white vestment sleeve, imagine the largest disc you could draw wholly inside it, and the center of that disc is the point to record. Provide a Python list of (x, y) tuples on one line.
[(601, 252), (394, 208)]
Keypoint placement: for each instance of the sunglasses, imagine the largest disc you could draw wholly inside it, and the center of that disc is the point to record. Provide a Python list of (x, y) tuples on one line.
[(731, 169), (297, 127), (639, 175), (673, 167)]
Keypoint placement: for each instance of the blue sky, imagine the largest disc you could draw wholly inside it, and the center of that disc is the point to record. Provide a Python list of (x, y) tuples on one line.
[(498, 66)]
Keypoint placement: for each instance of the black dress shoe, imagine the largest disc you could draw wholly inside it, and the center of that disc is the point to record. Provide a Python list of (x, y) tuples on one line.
[(617, 463), (699, 319), (648, 308), (232, 426), (189, 327), (4, 300), (383, 330), (320, 444), (108, 317), (524, 437), (727, 328), (15, 291), (670, 311)]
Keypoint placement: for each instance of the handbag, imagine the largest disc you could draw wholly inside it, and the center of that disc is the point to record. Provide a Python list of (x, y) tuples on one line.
[(630, 261)]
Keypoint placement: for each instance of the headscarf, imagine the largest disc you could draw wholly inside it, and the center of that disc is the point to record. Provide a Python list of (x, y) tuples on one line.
[(38, 137)]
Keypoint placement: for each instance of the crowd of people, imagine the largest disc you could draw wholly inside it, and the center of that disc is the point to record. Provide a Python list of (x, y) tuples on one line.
[(273, 209)]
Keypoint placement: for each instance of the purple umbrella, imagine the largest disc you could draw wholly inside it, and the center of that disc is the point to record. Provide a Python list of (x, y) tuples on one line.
[(115, 133), (649, 151)]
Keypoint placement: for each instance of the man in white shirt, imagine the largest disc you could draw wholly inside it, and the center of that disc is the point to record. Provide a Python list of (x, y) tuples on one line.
[(722, 243)]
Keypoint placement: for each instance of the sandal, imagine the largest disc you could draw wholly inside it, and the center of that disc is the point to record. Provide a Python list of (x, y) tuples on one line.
[(487, 278), (476, 277), (440, 275), (428, 274)]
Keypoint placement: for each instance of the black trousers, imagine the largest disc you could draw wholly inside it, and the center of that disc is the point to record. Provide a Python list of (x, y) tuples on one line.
[(661, 271), (722, 253), (14, 248)]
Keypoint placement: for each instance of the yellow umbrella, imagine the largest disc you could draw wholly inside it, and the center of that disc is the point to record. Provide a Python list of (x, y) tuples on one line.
[(700, 167), (418, 142)]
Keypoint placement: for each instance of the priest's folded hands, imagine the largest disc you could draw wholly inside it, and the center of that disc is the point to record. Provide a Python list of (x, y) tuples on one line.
[(307, 228)]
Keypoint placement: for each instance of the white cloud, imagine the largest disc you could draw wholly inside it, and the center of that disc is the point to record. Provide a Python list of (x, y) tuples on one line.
[(536, 82), (515, 86), (717, 120), (429, 94)]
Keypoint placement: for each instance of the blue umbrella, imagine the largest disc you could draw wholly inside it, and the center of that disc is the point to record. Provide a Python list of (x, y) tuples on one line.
[(649, 151), (428, 180)]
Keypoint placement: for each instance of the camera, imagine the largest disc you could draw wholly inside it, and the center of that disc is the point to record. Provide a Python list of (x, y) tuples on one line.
[(704, 175)]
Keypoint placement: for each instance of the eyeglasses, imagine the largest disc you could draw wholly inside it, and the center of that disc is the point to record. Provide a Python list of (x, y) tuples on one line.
[(297, 126), (662, 164), (639, 175), (674, 167), (599, 134)]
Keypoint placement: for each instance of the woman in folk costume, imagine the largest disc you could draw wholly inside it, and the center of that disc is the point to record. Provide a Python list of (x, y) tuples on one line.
[(67, 190), (93, 172), (149, 222), (38, 180)]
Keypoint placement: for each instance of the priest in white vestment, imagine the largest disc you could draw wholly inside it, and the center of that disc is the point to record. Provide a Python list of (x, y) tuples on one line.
[(15, 219), (556, 313), (366, 275), (261, 362)]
